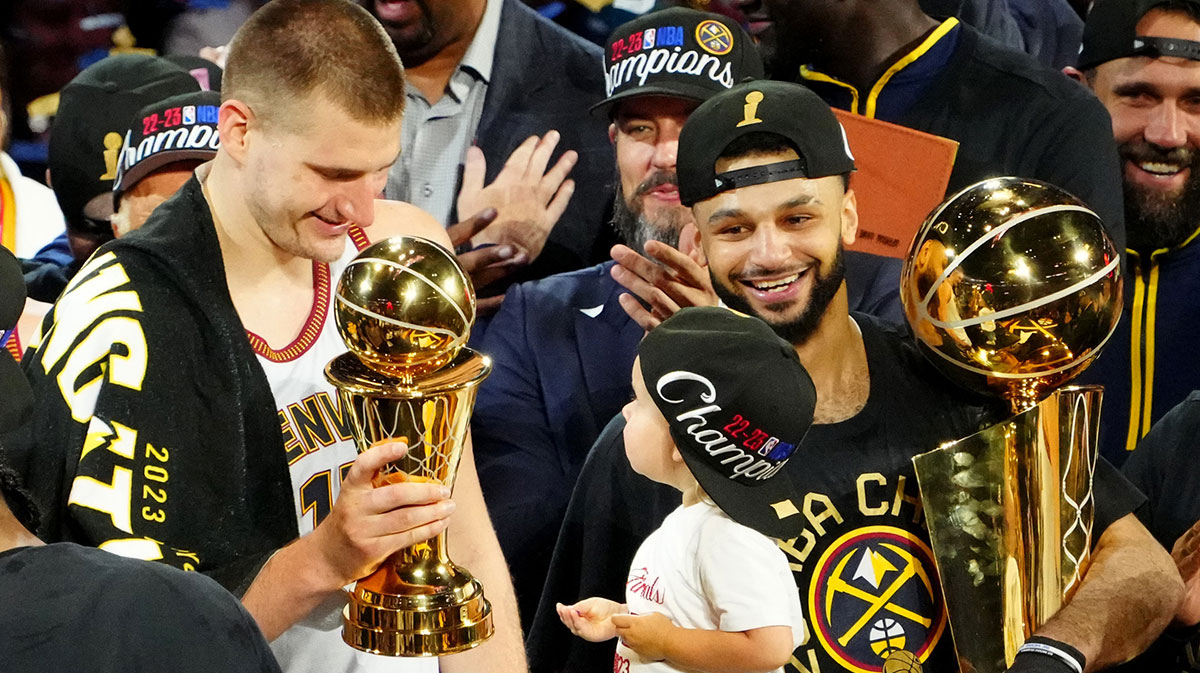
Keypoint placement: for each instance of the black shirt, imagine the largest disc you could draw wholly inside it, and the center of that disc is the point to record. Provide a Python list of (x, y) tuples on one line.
[(1164, 468), (69, 608), (862, 502)]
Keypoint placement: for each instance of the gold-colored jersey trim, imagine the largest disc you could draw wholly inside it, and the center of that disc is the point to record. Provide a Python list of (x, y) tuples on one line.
[(934, 37), (876, 89), (814, 76)]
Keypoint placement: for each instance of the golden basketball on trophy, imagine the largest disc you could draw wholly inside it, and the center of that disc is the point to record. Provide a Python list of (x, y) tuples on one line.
[(405, 308), (1012, 287)]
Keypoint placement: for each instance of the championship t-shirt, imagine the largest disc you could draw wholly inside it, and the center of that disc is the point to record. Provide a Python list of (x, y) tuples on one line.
[(861, 558), (320, 449), (706, 571)]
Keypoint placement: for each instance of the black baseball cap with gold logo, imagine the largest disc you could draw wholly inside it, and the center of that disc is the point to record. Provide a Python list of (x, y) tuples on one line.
[(677, 52), (94, 111), (1110, 32), (783, 108)]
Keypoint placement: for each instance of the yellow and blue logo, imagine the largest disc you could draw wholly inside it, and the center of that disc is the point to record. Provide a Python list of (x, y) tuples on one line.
[(715, 37), (873, 594)]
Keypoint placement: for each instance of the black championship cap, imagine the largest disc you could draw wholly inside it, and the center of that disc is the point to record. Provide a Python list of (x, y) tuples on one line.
[(677, 52), (178, 128), (93, 114), (738, 403), (789, 110), (1110, 32)]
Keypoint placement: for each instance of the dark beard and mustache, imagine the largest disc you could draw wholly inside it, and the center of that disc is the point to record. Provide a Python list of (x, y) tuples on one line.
[(801, 329), (631, 223), (1153, 219)]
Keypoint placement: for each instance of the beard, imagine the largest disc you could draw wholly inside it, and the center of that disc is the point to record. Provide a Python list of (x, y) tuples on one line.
[(1155, 219), (414, 42), (635, 227), (800, 329)]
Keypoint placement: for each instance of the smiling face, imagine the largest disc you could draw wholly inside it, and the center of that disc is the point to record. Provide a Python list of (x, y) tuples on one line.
[(775, 250), (645, 134), (1155, 108), (308, 180)]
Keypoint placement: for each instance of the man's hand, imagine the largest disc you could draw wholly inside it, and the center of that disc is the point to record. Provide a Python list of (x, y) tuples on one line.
[(369, 523), (648, 635), (488, 264), (678, 281), (1186, 554), (591, 618), (215, 54), (528, 198)]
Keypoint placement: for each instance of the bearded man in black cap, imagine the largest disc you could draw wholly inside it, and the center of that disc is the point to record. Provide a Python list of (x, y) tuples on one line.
[(1142, 59), (563, 346), (765, 168)]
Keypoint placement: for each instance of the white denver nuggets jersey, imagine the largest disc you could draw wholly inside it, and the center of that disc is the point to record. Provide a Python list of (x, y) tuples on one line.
[(319, 448)]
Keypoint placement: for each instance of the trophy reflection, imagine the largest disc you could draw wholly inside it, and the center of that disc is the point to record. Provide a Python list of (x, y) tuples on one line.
[(1012, 287), (405, 308)]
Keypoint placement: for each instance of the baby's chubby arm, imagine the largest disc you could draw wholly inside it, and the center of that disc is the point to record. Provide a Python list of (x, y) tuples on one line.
[(591, 618), (656, 638)]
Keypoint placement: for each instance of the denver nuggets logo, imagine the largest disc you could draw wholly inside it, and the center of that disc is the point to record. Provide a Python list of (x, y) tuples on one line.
[(714, 37), (873, 595)]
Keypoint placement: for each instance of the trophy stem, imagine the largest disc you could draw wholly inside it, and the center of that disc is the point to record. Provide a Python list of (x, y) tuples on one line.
[(418, 602), (1010, 513)]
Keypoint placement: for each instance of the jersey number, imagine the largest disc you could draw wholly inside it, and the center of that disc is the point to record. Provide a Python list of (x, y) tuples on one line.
[(316, 495)]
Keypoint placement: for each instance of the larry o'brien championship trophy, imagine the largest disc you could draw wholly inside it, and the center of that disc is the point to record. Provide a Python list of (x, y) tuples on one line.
[(405, 309), (1012, 287)]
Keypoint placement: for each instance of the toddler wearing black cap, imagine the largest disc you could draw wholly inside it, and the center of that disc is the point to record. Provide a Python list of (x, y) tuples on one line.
[(721, 404)]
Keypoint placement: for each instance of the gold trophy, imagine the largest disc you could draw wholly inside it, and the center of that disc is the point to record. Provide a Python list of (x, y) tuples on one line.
[(1012, 287), (405, 309)]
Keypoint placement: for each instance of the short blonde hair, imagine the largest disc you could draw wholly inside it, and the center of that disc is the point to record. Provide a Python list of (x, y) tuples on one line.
[(289, 49)]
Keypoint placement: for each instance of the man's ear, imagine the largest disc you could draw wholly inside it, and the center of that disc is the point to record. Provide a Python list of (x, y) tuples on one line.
[(233, 124), (1075, 74), (696, 250), (676, 457), (612, 133), (849, 217)]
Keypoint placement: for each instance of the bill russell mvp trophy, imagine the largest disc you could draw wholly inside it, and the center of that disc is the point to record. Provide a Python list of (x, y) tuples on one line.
[(1012, 287), (405, 309)]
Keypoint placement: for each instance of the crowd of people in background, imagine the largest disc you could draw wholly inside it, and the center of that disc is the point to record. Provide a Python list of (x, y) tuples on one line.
[(182, 183)]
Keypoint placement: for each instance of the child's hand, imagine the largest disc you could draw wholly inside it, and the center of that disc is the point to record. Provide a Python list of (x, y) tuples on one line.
[(645, 634), (591, 618)]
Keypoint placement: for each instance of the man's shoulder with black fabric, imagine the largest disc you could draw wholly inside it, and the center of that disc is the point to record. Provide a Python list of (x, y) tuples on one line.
[(142, 616), (147, 399)]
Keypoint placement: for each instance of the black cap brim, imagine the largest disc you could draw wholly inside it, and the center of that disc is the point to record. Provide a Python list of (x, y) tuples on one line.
[(673, 90), (769, 507)]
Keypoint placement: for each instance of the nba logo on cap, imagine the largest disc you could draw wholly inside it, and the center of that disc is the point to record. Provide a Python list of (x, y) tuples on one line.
[(189, 114)]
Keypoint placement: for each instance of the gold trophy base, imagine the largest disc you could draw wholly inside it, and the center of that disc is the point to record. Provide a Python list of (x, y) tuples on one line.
[(453, 616)]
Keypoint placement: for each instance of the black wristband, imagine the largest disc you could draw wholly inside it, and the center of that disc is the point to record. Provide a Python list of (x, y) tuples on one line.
[(1046, 655)]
